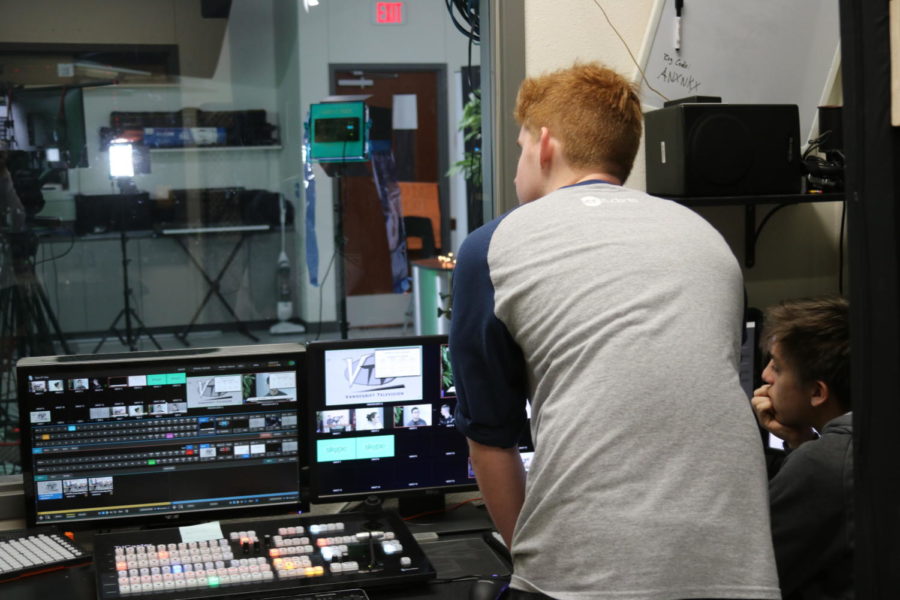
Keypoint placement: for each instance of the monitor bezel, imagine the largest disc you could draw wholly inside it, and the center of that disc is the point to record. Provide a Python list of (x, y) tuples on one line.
[(754, 319), (315, 353), (61, 365)]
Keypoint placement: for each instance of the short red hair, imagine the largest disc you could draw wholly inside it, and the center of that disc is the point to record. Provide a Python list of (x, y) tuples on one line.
[(593, 111)]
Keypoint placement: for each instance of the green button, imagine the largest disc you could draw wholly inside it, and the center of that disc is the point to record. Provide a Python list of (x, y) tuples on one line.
[(159, 379), (151, 462), (213, 581), (337, 449), (379, 446), (176, 378)]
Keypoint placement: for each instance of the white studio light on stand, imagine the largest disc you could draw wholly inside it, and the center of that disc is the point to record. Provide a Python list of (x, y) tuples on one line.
[(121, 159)]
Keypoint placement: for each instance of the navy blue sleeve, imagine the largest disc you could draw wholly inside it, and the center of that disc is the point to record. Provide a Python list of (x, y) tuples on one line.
[(488, 366)]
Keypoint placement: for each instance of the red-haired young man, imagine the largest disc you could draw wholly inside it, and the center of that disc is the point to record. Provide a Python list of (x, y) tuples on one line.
[(619, 316)]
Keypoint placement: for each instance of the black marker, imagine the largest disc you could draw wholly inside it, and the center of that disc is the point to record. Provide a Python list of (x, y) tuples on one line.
[(679, 6)]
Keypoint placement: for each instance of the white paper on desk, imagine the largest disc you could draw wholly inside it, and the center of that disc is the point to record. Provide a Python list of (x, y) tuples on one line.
[(202, 532)]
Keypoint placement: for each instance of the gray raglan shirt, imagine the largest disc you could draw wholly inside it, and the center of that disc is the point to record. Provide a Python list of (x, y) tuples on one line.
[(618, 314)]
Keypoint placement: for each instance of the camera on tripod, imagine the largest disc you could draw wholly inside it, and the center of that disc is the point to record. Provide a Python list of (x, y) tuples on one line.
[(29, 326), (29, 173)]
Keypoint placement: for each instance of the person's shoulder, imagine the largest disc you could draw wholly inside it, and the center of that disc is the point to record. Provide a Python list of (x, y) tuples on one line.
[(828, 453), (474, 249), (840, 425)]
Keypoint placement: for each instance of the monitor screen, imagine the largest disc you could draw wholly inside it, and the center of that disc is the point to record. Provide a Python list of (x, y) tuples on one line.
[(382, 419), (751, 369), (158, 436), (750, 359)]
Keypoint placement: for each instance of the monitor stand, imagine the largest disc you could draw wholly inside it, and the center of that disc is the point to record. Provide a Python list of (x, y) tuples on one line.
[(430, 512)]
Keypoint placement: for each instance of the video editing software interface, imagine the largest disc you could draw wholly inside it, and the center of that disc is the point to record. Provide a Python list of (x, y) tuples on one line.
[(383, 418), (146, 439)]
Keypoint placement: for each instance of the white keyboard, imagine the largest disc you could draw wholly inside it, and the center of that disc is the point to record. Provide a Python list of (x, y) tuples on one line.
[(28, 551)]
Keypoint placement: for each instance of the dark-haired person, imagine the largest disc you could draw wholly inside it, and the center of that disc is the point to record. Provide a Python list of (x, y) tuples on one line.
[(806, 402), (619, 315), (414, 419)]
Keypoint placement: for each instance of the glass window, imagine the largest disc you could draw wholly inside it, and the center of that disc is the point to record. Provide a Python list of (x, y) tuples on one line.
[(155, 193)]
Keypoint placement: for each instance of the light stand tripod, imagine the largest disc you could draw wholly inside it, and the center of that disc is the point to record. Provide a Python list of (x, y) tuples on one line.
[(131, 336), (28, 326)]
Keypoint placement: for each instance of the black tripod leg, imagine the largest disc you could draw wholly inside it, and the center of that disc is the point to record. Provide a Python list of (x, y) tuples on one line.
[(142, 328), (112, 328), (8, 342), (48, 310), (33, 331)]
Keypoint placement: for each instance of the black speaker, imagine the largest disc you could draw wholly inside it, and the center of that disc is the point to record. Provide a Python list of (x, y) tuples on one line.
[(708, 149), (108, 213)]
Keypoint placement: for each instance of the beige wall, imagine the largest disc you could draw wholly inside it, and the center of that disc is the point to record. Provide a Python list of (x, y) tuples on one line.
[(798, 250)]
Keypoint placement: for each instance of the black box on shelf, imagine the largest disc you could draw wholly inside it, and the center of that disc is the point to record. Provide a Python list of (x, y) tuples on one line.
[(111, 213), (708, 149), (206, 207), (261, 207), (192, 127)]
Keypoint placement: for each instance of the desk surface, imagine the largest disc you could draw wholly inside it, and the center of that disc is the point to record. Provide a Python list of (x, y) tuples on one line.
[(454, 554)]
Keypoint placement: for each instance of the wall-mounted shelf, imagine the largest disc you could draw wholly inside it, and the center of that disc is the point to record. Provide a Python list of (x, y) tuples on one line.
[(751, 231), (215, 149)]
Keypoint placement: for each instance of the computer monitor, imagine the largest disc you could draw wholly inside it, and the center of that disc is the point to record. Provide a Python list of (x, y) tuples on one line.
[(751, 369), (381, 422), (155, 437)]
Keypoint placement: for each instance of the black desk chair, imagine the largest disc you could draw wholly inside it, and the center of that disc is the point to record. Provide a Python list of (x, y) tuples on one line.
[(417, 227), (420, 227)]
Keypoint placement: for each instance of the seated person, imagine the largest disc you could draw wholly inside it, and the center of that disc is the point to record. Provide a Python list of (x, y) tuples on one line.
[(806, 402)]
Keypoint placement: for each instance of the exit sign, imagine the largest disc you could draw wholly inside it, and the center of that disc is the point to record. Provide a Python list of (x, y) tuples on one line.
[(390, 13)]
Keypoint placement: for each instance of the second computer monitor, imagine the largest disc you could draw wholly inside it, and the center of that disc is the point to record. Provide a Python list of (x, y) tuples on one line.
[(382, 419)]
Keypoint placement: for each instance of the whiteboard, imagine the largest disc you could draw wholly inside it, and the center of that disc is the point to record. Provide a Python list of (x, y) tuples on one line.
[(746, 52)]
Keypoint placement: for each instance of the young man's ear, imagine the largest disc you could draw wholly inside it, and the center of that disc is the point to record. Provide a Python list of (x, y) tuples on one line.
[(820, 394), (547, 146)]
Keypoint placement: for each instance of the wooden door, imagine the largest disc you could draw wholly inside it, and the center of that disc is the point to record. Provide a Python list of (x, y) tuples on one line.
[(367, 266)]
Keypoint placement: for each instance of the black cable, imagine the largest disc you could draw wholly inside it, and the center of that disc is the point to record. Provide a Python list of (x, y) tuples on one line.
[(469, 69), (58, 256), (321, 286), (765, 220), (841, 249), (334, 252), (469, 10), (469, 16), (816, 143)]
